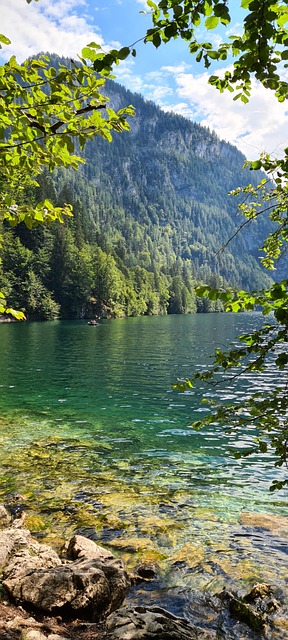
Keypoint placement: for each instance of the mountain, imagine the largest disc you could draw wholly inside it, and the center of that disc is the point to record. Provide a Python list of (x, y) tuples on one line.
[(152, 216)]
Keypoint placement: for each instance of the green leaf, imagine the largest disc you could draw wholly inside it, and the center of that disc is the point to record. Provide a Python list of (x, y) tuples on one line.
[(156, 40), (211, 22), (171, 30), (90, 54), (94, 45), (257, 164), (4, 39), (19, 315), (123, 53), (282, 360)]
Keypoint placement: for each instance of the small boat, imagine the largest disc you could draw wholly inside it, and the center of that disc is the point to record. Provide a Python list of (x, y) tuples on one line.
[(93, 323)]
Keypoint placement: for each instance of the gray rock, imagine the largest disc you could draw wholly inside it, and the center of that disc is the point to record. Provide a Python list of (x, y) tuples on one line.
[(17, 545), (80, 547), (32, 634), (34, 575), (153, 623), (5, 518)]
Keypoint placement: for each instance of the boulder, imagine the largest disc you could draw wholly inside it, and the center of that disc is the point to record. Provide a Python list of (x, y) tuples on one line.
[(80, 547), (32, 634), (254, 608), (5, 517), (18, 546), (149, 623), (91, 586)]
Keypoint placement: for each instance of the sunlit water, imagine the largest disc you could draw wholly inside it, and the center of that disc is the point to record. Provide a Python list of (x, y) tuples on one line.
[(93, 439)]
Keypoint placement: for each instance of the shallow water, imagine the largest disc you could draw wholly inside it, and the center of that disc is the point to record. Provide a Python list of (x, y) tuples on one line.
[(93, 439)]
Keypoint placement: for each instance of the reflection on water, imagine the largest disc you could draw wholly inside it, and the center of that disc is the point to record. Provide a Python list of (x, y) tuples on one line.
[(94, 439)]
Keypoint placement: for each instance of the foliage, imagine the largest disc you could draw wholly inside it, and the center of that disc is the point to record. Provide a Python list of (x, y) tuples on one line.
[(132, 247), (258, 51), (261, 51), (265, 349), (44, 112), (41, 122), (259, 351)]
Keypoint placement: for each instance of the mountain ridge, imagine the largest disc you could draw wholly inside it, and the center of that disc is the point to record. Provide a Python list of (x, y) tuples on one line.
[(152, 208)]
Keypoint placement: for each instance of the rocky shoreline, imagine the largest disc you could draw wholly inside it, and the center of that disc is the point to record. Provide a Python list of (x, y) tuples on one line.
[(83, 594)]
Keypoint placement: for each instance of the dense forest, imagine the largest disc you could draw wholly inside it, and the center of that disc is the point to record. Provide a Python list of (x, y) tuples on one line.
[(151, 212)]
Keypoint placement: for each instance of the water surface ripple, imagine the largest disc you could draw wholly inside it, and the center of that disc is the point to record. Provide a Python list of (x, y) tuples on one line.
[(94, 439)]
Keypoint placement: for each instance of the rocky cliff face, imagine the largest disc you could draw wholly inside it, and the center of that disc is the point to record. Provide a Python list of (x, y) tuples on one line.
[(168, 174), (179, 172)]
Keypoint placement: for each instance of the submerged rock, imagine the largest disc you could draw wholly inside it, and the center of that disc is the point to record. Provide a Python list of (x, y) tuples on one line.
[(258, 591), (133, 545), (145, 571), (190, 554), (149, 623), (267, 521), (253, 608)]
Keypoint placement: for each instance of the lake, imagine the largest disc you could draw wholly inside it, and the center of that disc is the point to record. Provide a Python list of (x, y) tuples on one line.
[(94, 440)]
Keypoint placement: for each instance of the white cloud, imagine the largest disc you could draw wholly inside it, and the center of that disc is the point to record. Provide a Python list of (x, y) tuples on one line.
[(177, 68), (235, 30), (158, 92), (51, 25), (64, 27), (153, 85), (60, 9), (183, 109), (261, 125)]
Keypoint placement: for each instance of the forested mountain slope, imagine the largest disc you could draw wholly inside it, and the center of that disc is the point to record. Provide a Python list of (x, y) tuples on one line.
[(151, 209)]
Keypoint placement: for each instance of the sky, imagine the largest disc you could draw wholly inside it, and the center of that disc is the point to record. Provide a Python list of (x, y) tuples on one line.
[(169, 75)]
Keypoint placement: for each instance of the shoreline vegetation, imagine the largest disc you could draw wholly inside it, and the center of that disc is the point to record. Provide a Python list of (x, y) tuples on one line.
[(93, 321), (134, 250), (150, 215)]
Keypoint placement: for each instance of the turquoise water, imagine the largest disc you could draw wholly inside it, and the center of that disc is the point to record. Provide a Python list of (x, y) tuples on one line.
[(93, 439), (113, 382)]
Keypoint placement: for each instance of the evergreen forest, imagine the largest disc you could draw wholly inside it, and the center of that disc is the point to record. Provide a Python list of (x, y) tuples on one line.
[(151, 220)]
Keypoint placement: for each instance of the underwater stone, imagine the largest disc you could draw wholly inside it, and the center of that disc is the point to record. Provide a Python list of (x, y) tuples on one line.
[(191, 554), (141, 623), (268, 521), (132, 544)]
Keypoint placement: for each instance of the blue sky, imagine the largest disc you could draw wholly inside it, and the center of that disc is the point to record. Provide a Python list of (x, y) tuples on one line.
[(169, 75)]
